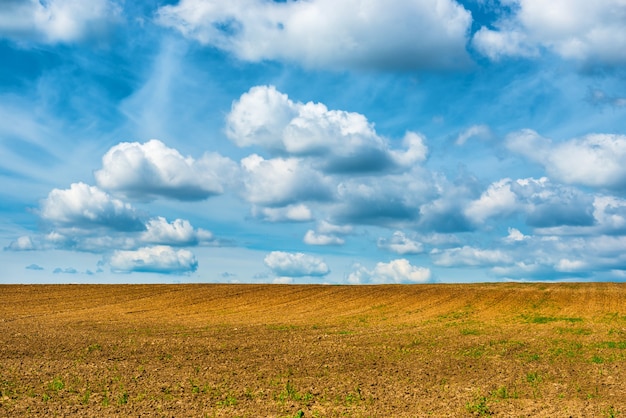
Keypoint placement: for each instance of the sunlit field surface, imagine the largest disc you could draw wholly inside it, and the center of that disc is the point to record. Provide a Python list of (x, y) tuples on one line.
[(553, 350)]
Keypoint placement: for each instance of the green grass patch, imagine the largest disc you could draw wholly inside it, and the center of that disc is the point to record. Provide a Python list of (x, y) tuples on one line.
[(567, 348), (597, 359), (478, 407), (540, 319), (291, 393), (612, 344), (574, 331), (56, 385), (504, 393), (476, 351), (282, 327)]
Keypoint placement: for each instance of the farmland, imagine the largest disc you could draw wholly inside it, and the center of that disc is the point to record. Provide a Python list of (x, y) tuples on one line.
[(509, 349)]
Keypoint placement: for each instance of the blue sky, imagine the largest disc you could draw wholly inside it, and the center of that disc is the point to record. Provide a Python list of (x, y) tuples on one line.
[(312, 141)]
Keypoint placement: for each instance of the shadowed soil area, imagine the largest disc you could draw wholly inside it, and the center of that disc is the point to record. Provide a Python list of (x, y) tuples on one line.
[(511, 350)]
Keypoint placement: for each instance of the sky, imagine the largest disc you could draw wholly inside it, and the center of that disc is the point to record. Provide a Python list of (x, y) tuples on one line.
[(312, 141)]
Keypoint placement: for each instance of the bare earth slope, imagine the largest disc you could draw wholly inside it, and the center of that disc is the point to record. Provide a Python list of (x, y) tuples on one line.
[(553, 350)]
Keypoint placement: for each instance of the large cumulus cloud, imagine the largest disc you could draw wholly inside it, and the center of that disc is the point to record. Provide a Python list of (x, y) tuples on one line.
[(150, 170), (396, 271), (336, 141), (155, 259), (179, 232), (296, 264), (324, 163), (594, 160), (83, 206), (541, 202), (376, 34), (592, 32)]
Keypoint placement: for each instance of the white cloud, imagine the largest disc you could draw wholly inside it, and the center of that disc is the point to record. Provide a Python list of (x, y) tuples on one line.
[(295, 264), (566, 265), (399, 243), (290, 213), (474, 131), (469, 256), (282, 182), (157, 259), (396, 271), (314, 238), (327, 234), (85, 218), (54, 21), (610, 214), (326, 227), (23, 243), (588, 31), (326, 34), (594, 160), (150, 170), (499, 199), (83, 206), (178, 233), (334, 140), (499, 44), (515, 235)]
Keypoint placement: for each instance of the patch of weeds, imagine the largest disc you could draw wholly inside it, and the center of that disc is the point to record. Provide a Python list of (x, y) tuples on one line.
[(478, 407), (456, 315), (593, 395), (345, 332), (229, 401), (529, 357), (353, 397), (503, 393), (282, 327), (123, 398), (45, 397), (105, 399), (7, 388), (569, 349), (85, 398), (94, 347), (195, 389), (474, 352), (597, 359), (56, 384), (291, 393), (469, 331), (614, 316), (533, 378), (574, 331), (538, 319), (612, 344), (248, 393), (611, 412)]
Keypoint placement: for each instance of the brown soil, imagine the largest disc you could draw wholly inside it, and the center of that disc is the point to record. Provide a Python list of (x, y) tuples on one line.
[(512, 350)]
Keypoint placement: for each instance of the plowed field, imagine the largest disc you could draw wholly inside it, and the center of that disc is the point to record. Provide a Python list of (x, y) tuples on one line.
[(511, 350)]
